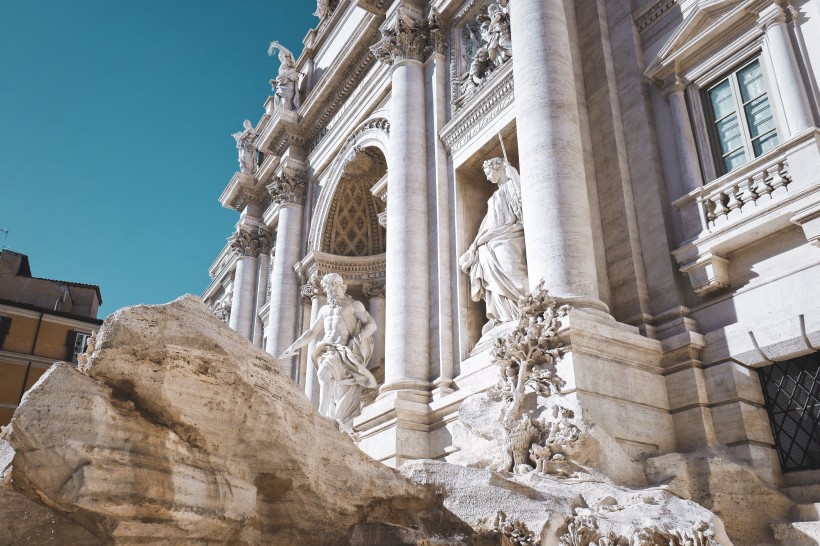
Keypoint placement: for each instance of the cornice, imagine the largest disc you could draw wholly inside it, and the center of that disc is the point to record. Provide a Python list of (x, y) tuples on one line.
[(496, 95), (352, 269)]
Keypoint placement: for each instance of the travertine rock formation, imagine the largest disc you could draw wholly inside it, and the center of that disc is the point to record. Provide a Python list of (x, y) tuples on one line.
[(178, 430)]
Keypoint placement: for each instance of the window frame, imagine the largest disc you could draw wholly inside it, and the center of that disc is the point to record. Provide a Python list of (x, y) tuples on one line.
[(710, 119)]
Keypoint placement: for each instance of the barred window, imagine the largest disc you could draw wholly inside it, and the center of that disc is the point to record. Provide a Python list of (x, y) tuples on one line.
[(742, 121), (791, 390)]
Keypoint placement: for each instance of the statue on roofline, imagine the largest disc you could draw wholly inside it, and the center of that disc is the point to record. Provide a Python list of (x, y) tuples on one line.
[(286, 83)]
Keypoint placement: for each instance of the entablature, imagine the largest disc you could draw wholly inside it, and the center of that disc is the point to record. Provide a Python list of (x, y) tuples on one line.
[(354, 270)]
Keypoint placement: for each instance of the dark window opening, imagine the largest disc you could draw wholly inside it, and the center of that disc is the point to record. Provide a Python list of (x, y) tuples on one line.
[(791, 390)]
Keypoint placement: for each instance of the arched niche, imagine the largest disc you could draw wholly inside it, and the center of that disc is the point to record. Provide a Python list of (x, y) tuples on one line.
[(359, 166)]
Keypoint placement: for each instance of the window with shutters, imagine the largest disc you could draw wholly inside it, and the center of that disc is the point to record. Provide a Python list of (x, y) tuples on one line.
[(78, 345), (742, 123)]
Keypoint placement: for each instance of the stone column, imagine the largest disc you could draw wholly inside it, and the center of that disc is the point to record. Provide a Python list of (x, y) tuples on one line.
[(247, 245), (312, 291), (376, 307), (288, 191), (793, 96), (687, 150), (262, 275), (557, 223), (407, 335)]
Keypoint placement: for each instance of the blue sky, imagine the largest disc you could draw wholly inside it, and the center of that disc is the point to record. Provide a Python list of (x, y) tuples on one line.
[(115, 133)]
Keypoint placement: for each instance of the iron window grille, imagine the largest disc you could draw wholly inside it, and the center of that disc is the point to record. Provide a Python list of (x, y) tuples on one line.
[(791, 390)]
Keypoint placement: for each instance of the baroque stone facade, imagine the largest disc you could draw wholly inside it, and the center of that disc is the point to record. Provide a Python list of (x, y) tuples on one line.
[(655, 191)]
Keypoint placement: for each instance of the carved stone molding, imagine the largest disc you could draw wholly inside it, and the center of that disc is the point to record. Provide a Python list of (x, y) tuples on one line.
[(493, 99), (288, 187), (249, 243), (352, 269), (313, 288), (410, 38)]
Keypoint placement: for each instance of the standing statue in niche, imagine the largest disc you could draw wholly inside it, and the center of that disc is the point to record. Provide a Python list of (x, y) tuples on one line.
[(286, 83), (496, 261), (246, 144), (345, 330)]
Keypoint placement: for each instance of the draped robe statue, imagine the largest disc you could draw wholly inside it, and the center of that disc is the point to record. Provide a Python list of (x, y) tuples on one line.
[(341, 355), (496, 261)]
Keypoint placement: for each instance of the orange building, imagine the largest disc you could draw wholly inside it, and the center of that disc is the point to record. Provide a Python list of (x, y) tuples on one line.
[(42, 321)]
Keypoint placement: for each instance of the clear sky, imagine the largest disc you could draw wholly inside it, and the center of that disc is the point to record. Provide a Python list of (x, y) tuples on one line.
[(115, 133)]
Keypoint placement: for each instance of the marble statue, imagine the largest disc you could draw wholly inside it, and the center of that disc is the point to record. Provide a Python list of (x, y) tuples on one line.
[(495, 31), (471, 80), (345, 330), (496, 261), (324, 8), (286, 83), (246, 144)]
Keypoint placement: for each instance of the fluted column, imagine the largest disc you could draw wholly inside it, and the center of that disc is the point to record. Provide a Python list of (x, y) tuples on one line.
[(793, 95), (312, 291), (288, 190), (247, 245), (407, 335), (557, 223), (376, 307), (687, 151)]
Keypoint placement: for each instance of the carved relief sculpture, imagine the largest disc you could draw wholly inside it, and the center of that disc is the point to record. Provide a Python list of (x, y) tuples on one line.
[(345, 330), (246, 145), (324, 8), (496, 261), (286, 83), (487, 45)]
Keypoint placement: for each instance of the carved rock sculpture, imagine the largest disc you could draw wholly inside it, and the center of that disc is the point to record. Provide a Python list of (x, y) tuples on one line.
[(177, 430), (487, 44)]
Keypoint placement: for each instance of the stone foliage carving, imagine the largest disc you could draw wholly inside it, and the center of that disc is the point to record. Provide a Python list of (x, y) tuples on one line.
[(288, 187), (345, 331), (527, 359), (583, 531), (286, 83), (374, 289), (249, 243), (487, 45), (246, 145), (496, 260), (514, 531), (410, 38)]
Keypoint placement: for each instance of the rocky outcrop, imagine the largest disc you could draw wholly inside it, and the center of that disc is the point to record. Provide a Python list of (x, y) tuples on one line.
[(177, 430)]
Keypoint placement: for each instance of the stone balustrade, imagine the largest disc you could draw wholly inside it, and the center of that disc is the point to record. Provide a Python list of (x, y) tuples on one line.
[(771, 193), (744, 193)]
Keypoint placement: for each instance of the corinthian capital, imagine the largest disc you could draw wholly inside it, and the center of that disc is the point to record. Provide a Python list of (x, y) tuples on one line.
[(289, 187), (249, 243), (410, 38)]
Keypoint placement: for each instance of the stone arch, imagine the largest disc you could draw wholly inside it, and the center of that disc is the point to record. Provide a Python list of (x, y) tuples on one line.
[(345, 201)]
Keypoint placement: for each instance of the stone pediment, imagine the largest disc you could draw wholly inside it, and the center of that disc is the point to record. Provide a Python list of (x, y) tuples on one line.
[(696, 32)]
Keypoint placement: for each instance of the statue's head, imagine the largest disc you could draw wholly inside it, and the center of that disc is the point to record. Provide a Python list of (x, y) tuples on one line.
[(482, 54), (495, 170), (333, 285), (247, 124)]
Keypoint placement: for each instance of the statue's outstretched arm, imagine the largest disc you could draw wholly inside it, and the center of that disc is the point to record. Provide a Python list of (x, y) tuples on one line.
[(315, 329), (276, 45)]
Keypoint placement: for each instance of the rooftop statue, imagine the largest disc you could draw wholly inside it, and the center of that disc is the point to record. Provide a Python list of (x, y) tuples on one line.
[(246, 144), (496, 262), (341, 355), (286, 83)]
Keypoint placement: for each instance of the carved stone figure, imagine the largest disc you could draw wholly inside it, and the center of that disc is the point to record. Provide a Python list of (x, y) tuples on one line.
[(223, 310), (246, 144), (496, 261), (487, 46), (322, 9), (495, 31), (345, 330), (286, 83), (472, 79)]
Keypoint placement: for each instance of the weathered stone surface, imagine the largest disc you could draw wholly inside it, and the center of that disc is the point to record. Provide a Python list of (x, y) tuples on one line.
[(747, 506), (178, 430), (23, 521), (545, 505)]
